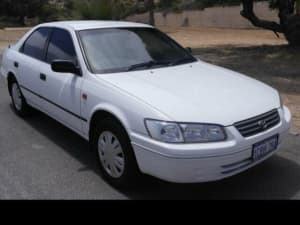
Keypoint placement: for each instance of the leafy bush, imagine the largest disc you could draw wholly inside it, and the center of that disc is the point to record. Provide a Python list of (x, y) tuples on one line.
[(104, 9)]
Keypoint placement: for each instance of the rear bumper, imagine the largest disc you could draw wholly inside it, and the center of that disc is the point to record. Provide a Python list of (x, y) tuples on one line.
[(196, 163)]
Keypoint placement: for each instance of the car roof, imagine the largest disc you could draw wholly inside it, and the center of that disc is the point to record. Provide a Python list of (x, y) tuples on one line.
[(93, 24)]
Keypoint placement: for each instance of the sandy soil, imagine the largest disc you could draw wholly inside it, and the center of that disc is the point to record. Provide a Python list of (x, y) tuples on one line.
[(11, 36), (257, 53), (208, 37)]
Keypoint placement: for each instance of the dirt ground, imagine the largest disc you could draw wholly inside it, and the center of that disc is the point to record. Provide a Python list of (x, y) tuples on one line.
[(10, 36), (256, 53)]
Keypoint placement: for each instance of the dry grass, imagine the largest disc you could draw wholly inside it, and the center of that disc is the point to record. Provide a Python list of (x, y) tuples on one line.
[(11, 36)]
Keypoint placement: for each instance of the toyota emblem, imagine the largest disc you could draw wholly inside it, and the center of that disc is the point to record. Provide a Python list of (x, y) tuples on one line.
[(263, 124)]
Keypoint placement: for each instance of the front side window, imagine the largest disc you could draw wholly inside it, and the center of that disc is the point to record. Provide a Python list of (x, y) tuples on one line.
[(111, 50), (35, 45), (60, 46)]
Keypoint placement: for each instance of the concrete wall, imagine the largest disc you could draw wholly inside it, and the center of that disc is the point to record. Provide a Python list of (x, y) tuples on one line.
[(222, 17)]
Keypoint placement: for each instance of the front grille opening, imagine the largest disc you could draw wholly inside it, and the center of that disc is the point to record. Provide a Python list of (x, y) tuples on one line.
[(256, 125)]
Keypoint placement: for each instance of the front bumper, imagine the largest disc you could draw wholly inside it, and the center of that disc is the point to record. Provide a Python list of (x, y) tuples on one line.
[(196, 163)]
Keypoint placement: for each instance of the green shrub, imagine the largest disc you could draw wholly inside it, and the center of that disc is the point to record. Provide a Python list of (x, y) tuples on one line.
[(104, 9)]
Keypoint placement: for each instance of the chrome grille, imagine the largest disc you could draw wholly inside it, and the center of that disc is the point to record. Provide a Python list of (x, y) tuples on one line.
[(258, 124)]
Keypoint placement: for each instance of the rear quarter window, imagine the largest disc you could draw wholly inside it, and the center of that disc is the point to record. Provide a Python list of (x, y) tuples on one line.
[(35, 45)]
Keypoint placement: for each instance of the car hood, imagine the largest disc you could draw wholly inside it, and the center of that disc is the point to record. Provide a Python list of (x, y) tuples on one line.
[(198, 92)]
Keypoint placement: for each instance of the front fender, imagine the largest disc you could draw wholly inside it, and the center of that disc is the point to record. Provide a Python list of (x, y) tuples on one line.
[(112, 109)]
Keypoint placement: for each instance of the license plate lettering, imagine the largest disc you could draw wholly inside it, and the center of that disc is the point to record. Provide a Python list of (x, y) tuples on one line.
[(262, 149)]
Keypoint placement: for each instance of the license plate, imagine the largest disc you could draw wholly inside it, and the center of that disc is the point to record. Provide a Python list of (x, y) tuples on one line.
[(264, 148)]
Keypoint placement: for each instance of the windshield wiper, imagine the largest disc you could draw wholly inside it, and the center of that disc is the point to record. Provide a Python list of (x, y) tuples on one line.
[(148, 64), (153, 63), (182, 60)]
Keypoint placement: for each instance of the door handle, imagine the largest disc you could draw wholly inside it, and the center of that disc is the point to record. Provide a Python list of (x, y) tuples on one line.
[(43, 77), (16, 64)]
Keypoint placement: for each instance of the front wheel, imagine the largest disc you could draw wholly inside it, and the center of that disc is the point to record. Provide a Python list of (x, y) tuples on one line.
[(115, 153)]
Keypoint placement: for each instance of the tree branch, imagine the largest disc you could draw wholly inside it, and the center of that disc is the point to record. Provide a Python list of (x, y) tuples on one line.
[(249, 14)]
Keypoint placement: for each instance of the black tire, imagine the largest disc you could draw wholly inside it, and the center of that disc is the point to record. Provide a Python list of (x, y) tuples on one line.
[(23, 109), (131, 171), (292, 31)]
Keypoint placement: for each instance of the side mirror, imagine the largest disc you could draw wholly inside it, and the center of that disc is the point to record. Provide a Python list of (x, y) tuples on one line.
[(189, 50), (65, 66)]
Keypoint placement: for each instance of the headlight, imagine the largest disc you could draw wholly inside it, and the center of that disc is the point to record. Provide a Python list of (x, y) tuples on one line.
[(202, 133), (164, 131), (184, 133)]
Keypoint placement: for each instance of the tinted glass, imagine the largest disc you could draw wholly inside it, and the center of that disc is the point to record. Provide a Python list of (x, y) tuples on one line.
[(35, 44), (118, 49), (60, 46)]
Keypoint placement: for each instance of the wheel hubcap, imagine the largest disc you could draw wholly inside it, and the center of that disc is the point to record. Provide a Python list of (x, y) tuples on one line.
[(111, 154), (16, 95)]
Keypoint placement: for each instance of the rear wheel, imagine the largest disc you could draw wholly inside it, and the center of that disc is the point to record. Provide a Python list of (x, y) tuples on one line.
[(19, 103), (117, 160)]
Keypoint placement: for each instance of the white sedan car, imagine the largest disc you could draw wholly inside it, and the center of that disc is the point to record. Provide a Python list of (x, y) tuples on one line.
[(143, 102)]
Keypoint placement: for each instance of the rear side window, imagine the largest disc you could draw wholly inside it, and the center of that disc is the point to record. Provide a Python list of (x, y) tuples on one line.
[(60, 46), (34, 46)]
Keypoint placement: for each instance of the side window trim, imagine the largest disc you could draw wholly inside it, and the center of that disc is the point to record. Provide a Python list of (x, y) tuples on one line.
[(82, 51), (49, 40), (21, 50), (47, 46)]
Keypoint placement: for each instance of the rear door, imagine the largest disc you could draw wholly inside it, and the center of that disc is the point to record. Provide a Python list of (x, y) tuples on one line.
[(61, 92), (29, 62)]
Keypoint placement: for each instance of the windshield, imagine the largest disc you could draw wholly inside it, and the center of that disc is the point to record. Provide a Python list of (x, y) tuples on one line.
[(112, 50)]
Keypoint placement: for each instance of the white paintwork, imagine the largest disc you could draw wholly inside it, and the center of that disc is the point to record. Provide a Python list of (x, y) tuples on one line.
[(30, 67), (65, 91), (196, 92), (199, 92)]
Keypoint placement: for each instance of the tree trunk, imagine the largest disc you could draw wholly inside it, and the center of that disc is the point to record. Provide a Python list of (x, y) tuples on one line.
[(149, 5), (298, 7), (289, 21), (22, 20), (151, 18)]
